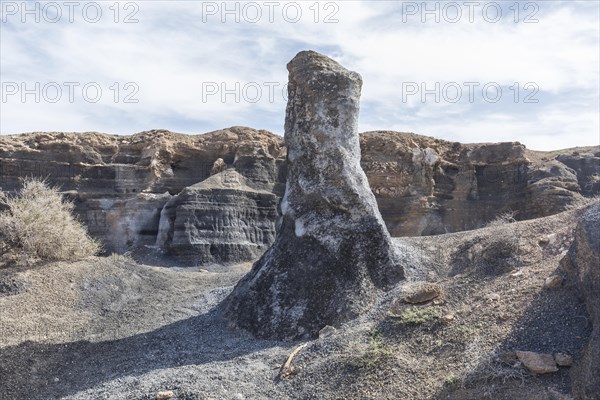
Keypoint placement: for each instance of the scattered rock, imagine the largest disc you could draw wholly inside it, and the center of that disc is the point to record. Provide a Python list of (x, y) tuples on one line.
[(516, 274), (420, 292), (563, 360), (537, 363), (554, 281), (504, 316), (326, 331), (165, 395), (447, 318), (492, 296)]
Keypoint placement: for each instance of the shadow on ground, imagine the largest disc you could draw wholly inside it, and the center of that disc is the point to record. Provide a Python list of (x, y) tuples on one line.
[(40, 371), (555, 321)]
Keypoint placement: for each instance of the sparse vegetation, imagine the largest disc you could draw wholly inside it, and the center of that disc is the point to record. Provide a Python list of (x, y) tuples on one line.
[(378, 352), (484, 369), (418, 315), (38, 224), (451, 379), (507, 217)]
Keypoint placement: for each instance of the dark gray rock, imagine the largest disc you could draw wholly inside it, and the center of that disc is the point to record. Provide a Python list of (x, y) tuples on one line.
[(583, 260), (219, 220), (587, 169), (551, 188), (332, 249)]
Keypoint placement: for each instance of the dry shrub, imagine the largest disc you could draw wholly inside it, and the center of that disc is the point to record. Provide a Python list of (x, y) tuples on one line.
[(487, 371), (39, 223), (489, 254), (507, 217)]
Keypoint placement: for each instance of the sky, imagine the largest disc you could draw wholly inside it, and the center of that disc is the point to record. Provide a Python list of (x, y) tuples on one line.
[(467, 71)]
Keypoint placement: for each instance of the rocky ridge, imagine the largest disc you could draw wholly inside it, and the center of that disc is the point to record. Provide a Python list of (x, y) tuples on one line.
[(422, 185)]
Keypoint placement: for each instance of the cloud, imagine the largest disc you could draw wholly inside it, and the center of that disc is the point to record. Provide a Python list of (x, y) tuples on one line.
[(178, 53)]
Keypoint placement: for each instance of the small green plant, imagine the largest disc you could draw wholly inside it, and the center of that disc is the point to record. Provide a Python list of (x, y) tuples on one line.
[(451, 380), (465, 330), (38, 223), (418, 315), (377, 353)]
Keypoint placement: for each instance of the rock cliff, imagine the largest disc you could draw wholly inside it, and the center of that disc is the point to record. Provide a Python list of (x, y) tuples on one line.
[(121, 184), (422, 185), (428, 186)]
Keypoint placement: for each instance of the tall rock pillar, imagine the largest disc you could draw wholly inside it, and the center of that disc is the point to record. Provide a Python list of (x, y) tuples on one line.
[(332, 251)]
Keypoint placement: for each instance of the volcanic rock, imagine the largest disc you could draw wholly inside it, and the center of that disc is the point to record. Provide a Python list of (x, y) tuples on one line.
[(219, 220), (583, 261), (537, 363), (332, 249)]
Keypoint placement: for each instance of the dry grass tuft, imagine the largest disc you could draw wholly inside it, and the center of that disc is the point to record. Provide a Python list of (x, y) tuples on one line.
[(503, 219), (38, 223)]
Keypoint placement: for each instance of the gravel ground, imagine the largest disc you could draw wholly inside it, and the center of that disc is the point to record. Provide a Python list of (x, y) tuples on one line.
[(108, 328)]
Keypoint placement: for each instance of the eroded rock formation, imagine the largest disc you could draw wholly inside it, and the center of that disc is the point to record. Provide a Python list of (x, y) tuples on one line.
[(332, 249), (428, 186), (219, 220), (422, 185), (583, 262), (120, 184)]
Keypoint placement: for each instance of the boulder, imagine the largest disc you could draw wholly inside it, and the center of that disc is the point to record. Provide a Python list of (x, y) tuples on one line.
[(420, 292), (537, 363), (332, 251)]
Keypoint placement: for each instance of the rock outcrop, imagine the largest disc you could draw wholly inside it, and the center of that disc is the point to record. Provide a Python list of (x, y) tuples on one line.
[(427, 186), (422, 185), (121, 183), (332, 250), (583, 261), (219, 220), (587, 169)]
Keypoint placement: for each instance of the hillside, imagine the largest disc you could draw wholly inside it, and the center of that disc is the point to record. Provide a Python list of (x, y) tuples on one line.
[(110, 328)]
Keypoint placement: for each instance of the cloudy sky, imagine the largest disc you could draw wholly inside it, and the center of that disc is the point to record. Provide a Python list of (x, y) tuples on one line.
[(475, 71)]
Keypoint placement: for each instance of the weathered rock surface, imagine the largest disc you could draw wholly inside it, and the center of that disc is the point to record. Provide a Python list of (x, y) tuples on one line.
[(583, 261), (563, 360), (420, 292), (332, 249), (537, 363), (120, 184), (587, 169), (422, 185), (219, 220), (428, 186)]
